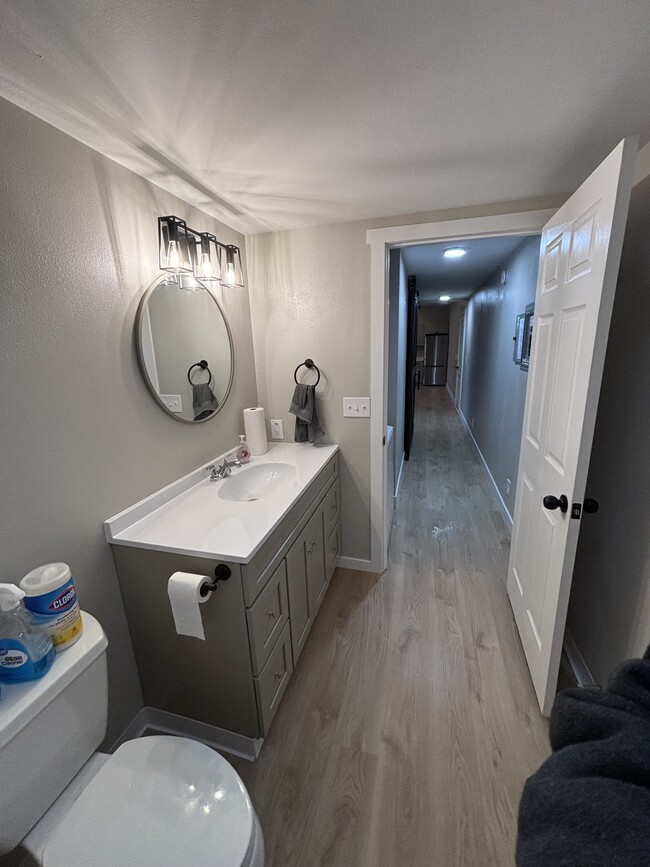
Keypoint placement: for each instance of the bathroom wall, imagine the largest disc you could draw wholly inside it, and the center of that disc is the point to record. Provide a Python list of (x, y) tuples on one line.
[(609, 608), (494, 387), (310, 296), (80, 436)]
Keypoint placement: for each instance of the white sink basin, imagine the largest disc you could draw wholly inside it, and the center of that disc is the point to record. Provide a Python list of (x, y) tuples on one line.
[(257, 482)]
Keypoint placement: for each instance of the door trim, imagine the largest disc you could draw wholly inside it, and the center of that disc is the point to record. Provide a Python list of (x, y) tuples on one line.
[(381, 241)]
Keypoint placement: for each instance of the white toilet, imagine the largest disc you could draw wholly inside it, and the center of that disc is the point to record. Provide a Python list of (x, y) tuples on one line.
[(157, 800)]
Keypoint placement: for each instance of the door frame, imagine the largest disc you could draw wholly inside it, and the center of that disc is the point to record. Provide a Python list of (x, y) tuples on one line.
[(381, 241)]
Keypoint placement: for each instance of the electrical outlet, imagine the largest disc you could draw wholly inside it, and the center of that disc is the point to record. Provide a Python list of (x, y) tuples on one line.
[(277, 429), (508, 484), (172, 402), (356, 407)]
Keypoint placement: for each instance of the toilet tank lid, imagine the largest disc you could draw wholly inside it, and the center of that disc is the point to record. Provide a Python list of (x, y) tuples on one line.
[(21, 702)]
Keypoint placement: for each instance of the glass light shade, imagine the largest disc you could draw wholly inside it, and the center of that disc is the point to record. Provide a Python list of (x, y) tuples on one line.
[(232, 273), (174, 253), (206, 258)]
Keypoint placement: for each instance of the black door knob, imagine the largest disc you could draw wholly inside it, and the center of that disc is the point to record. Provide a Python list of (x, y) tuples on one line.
[(551, 502), (590, 505)]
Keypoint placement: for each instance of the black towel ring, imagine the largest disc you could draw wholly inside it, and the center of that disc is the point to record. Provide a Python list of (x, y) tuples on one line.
[(204, 366), (311, 366)]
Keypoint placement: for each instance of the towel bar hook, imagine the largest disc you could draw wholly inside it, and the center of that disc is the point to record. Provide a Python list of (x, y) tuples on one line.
[(309, 364)]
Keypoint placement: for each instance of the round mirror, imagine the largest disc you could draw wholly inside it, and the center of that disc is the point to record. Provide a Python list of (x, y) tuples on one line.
[(185, 348)]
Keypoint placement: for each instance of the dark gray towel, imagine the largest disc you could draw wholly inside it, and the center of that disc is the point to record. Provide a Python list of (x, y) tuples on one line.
[(303, 406), (203, 401), (589, 803)]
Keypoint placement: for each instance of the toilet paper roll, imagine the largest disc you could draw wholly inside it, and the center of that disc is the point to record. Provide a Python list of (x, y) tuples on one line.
[(255, 430), (184, 591)]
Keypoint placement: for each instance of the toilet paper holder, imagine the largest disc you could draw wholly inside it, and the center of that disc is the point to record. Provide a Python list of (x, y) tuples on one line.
[(221, 573)]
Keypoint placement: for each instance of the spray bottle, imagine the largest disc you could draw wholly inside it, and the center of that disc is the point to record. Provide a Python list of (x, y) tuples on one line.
[(26, 650)]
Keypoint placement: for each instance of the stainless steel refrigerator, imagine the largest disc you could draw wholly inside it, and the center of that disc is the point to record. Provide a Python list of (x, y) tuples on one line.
[(436, 348)]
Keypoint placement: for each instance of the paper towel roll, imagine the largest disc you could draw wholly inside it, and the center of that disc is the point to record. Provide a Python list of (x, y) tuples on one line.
[(255, 430), (184, 591)]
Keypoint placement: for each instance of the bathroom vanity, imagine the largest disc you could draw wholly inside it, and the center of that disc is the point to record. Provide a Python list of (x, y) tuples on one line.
[(275, 524)]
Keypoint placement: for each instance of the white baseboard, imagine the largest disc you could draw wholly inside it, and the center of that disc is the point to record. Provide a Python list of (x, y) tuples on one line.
[(151, 720), (506, 514), (579, 667), (356, 563)]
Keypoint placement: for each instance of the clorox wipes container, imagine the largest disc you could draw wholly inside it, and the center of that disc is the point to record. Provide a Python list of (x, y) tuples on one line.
[(51, 599)]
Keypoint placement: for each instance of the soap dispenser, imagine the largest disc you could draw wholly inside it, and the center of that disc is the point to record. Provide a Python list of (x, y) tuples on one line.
[(243, 453), (26, 650)]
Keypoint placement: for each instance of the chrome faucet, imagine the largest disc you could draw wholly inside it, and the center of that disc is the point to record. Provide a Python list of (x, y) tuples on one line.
[(223, 470)]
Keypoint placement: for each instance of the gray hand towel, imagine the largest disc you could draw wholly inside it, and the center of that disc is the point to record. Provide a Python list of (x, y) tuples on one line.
[(204, 402), (303, 406)]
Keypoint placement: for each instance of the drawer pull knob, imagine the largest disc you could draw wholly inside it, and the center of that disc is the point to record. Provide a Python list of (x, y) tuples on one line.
[(272, 614)]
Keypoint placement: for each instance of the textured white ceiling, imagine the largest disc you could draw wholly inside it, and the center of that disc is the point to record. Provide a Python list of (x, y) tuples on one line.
[(438, 276), (285, 113)]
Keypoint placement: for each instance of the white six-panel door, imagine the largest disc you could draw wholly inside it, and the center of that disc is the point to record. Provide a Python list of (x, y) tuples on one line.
[(579, 258)]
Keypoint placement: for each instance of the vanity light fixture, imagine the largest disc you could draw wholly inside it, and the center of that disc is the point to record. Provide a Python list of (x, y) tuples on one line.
[(207, 265), (445, 297), (455, 253), (174, 253), (182, 250), (231, 270)]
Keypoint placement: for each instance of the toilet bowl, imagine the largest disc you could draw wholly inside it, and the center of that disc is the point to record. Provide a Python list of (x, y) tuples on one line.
[(158, 800)]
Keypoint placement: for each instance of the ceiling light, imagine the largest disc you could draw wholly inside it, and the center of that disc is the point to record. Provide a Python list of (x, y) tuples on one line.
[(445, 297), (455, 253)]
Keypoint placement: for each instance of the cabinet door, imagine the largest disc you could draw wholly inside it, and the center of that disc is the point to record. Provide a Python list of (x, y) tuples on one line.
[(300, 612), (315, 560)]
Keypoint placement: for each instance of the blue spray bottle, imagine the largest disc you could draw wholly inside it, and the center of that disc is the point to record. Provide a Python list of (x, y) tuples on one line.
[(26, 650)]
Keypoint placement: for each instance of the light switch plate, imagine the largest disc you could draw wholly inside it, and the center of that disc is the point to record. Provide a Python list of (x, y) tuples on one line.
[(356, 407), (172, 402), (277, 429)]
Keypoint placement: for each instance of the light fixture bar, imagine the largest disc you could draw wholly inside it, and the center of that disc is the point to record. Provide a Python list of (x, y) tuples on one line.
[(183, 250)]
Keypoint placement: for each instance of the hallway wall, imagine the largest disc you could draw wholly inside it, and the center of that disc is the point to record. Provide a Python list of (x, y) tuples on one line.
[(609, 608), (455, 309), (494, 387)]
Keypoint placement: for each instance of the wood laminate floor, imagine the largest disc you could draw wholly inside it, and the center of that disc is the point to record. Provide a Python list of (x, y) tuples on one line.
[(410, 723)]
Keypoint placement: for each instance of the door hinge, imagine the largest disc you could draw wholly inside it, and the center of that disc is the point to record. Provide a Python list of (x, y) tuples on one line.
[(576, 510)]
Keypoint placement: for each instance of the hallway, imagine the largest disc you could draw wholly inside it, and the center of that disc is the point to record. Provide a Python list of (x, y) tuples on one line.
[(410, 724)]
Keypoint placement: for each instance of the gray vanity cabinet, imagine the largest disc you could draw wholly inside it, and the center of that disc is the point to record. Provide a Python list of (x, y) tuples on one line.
[(256, 623), (315, 548)]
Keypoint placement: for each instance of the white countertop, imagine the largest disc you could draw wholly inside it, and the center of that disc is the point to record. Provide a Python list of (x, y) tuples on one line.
[(189, 516)]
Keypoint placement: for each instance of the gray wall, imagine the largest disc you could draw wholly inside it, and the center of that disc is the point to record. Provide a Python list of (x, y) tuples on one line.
[(310, 296), (494, 388), (432, 318), (609, 609), (81, 438)]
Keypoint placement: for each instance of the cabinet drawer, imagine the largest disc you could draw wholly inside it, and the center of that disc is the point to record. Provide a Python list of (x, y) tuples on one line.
[(273, 680), (331, 507), (267, 617), (332, 551)]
